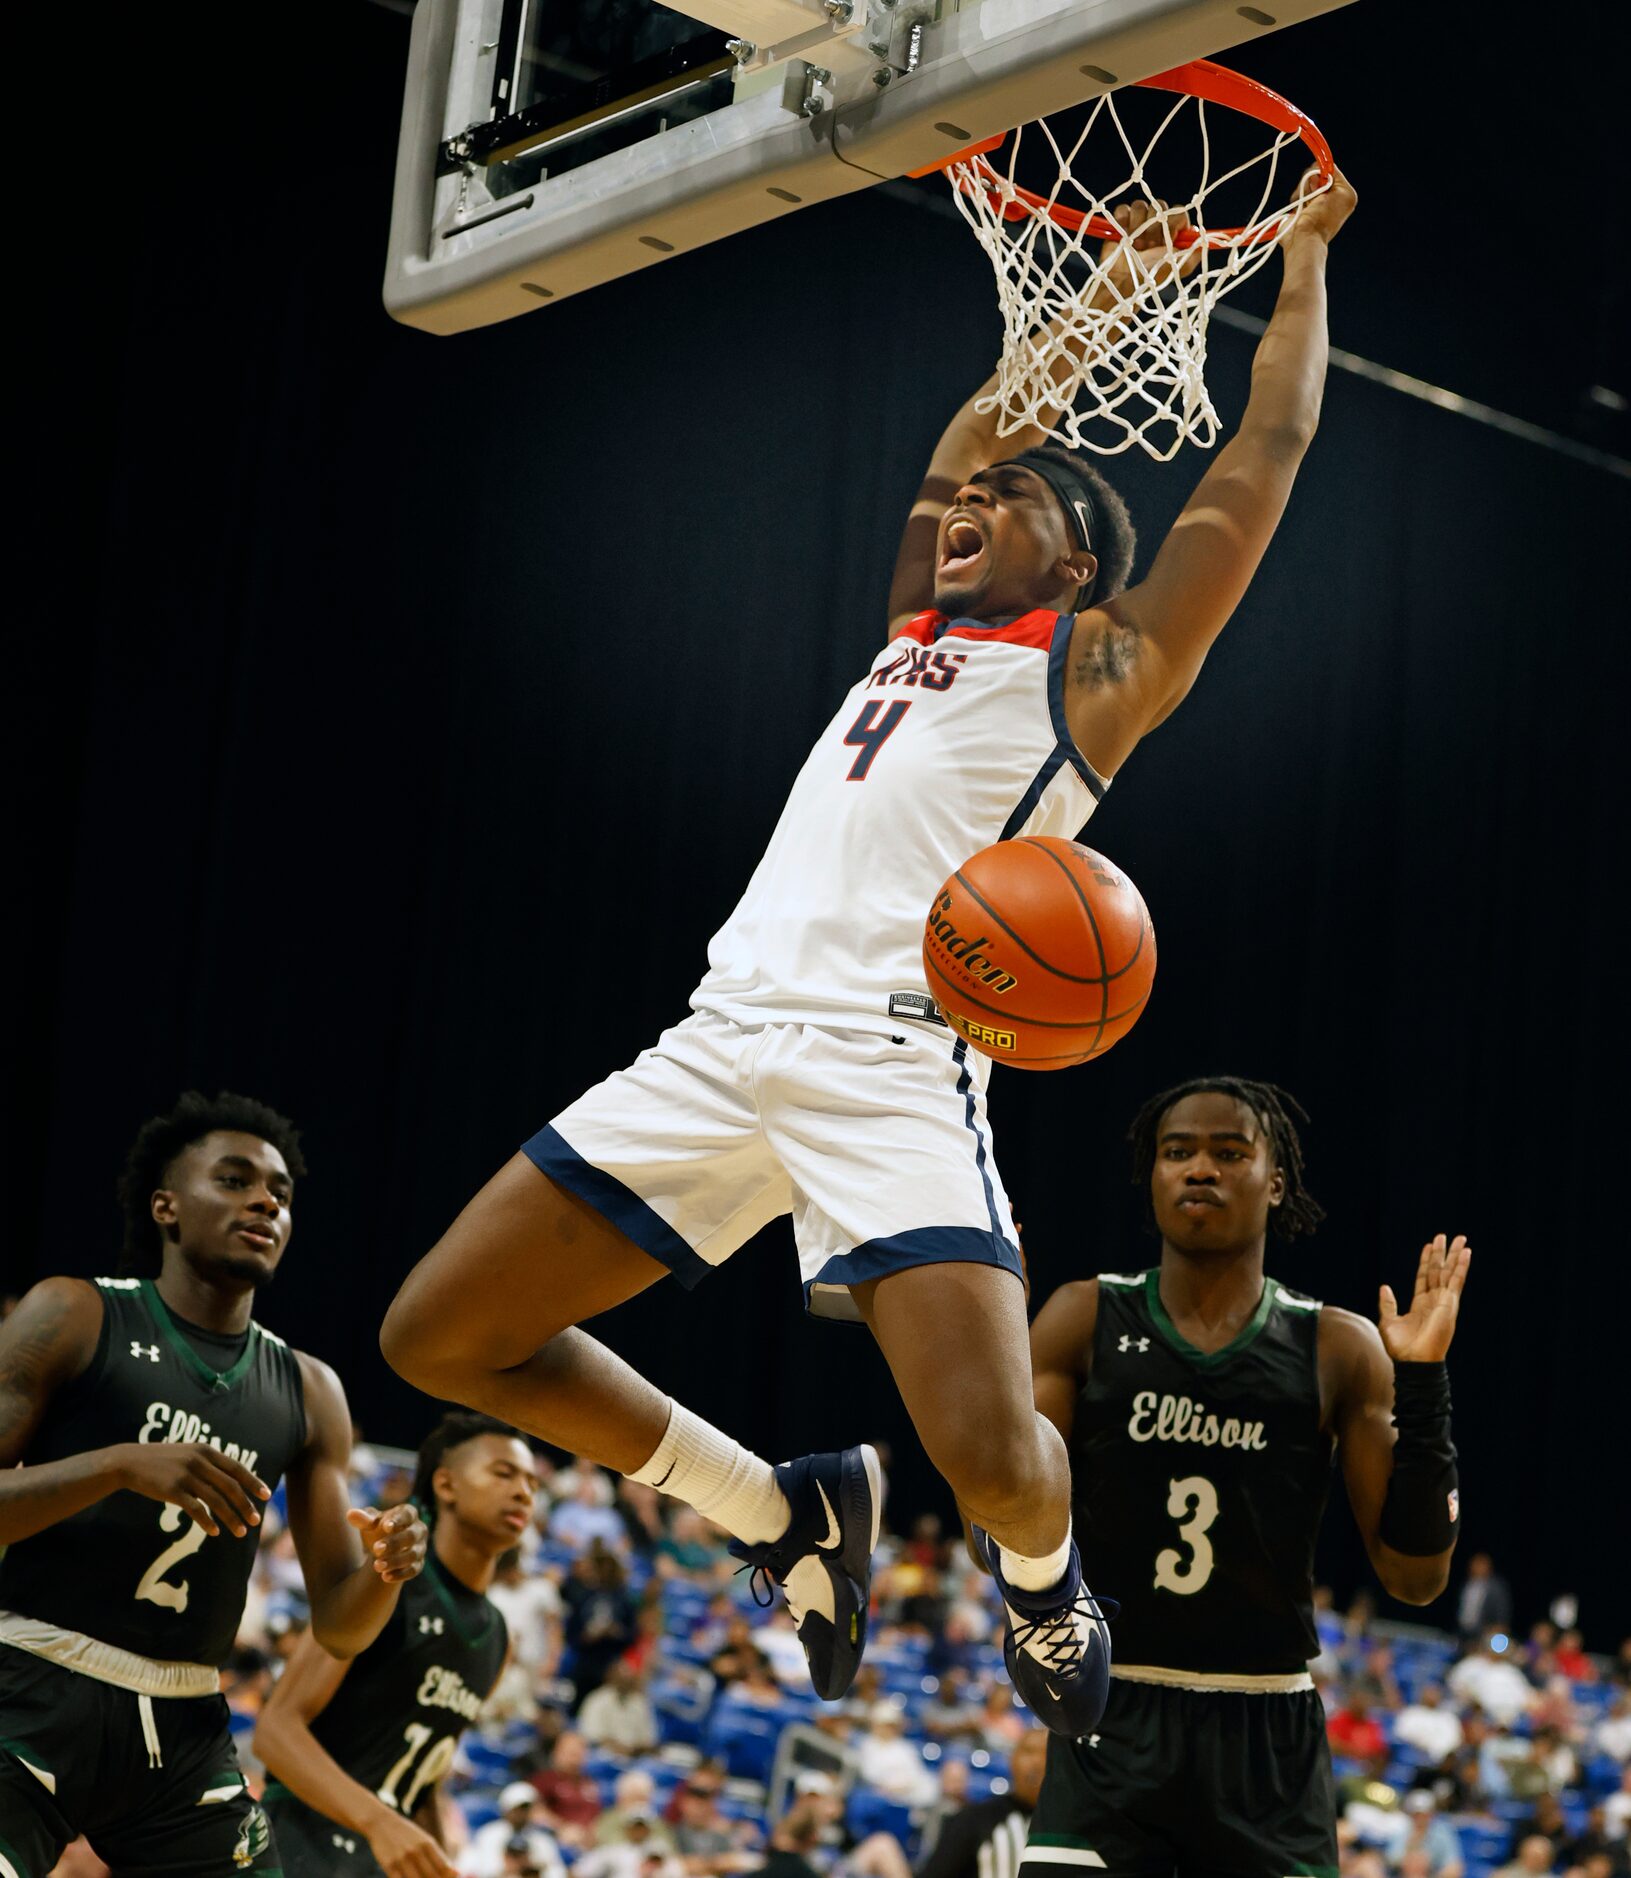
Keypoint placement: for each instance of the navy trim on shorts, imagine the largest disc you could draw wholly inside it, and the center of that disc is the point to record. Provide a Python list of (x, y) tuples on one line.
[(965, 1088), (1056, 709), (552, 1154), (924, 1245)]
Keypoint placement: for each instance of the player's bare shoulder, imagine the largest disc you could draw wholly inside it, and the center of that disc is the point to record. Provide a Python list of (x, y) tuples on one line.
[(1353, 1365), (46, 1342), (1062, 1333)]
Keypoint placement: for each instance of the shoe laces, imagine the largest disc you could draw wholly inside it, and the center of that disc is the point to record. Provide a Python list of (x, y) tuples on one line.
[(762, 1588), (1060, 1641)]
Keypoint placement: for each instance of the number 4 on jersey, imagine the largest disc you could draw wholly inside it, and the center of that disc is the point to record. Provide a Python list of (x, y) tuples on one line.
[(870, 732)]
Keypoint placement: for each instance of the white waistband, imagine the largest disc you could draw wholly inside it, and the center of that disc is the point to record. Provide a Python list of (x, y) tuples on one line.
[(1218, 1681), (106, 1662)]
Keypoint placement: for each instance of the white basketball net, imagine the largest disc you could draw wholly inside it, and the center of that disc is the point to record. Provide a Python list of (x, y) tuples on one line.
[(1106, 353)]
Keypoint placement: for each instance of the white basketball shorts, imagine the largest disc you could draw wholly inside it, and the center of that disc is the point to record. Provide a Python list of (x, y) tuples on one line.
[(878, 1147)]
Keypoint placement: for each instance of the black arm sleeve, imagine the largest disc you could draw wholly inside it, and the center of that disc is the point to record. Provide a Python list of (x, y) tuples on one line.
[(1422, 1512)]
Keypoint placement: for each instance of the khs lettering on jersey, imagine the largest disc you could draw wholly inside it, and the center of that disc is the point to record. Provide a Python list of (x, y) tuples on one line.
[(165, 1422), (917, 665), (1179, 1418)]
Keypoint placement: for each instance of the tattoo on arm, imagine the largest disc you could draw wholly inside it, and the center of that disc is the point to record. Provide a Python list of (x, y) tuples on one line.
[(1108, 658), (28, 1363)]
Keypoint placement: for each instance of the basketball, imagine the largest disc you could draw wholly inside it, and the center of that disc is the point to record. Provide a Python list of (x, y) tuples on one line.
[(1039, 952)]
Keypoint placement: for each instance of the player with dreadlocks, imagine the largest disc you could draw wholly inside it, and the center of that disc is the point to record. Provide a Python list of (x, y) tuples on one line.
[(356, 1750), (117, 1613), (1200, 1402)]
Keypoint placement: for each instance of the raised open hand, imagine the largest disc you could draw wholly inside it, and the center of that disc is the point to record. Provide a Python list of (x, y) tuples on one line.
[(1423, 1333)]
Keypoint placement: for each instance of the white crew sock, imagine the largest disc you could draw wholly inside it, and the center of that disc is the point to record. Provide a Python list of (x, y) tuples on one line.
[(719, 1477), (1036, 1574)]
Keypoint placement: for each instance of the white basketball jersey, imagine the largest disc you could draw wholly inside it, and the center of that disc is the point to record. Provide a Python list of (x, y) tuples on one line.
[(956, 738)]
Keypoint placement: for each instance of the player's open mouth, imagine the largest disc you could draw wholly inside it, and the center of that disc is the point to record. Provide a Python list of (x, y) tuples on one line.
[(962, 547)]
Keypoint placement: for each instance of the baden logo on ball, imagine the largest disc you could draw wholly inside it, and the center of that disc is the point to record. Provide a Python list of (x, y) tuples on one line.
[(1040, 952)]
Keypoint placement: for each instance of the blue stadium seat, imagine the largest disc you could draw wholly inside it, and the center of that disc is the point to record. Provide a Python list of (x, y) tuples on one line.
[(744, 1738), (489, 1760), (869, 1812)]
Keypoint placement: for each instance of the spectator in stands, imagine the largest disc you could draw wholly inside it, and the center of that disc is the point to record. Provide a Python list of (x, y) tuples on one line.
[(532, 1609), (567, 1482), (798, 1834), (1491, 1679), (619, 1717), (952, 1715), (1000, 1722), (779, 1641), (1572, 1660), (987, 1839), (1374, 1678), (1536, 1858), (739, 1653), (706, 1777), (1486, 1600), (1543, 1764), (587, 1515), (1428, 1725), (518, 1818), (635, 1855), (640, 1508), (599, 1616), (571, 1799), (759, 1685), (703, 1836), (1355, 1732), (889, 1763), (1617, 1809), (1612, 1735), (1424, 1841), (634, 1797), (693, 1549), (1355, 1859)]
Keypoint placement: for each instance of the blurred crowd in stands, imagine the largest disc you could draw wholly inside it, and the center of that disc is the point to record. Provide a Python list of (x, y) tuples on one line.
[(657, 1722)]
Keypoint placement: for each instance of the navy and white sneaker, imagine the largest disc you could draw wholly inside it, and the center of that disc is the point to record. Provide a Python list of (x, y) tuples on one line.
[(1057, 1647), (823, 1562)]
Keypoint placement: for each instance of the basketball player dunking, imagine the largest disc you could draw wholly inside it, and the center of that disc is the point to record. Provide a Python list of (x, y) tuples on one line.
[(358, 1750), (116, 1614), (814, 1076), (1200, 1403)]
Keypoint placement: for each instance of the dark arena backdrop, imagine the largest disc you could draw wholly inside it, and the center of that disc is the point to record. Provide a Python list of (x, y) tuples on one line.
[(395, 717)]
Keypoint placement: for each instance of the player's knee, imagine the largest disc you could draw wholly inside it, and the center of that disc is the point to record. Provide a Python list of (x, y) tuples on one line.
[(997, 1481), (416, 1341)]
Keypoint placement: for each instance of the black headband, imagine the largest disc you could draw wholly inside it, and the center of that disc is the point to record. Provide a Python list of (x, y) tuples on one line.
[(1074, 493)]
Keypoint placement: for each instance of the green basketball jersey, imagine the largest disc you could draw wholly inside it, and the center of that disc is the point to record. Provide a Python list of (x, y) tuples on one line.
[(1199, 1483), (129, 1570), (395, 1720)]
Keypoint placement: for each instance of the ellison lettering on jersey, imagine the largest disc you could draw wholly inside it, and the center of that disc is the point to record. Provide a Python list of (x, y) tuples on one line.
[(128, 1570), (1200, 1479), (954, 739), (1177, 1418)]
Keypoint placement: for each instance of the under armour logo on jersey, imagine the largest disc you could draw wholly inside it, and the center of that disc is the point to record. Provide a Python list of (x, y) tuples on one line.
[(1140, 1344), (1092, 1741), (149, 1350), (428, 1624), (342, 1843)]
